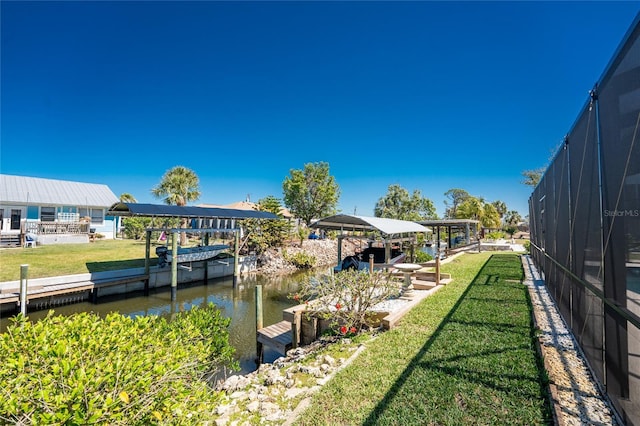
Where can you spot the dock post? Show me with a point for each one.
(259, 324)
(147, 256)
(236, 255)
(206, 262)
(174, 266)
(24, 273)
(296, 327)
(438, 269)
(371, 263)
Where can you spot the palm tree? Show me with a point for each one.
(179, 186)
(125, 197)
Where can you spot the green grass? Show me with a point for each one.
(462, 356)
(67, 259)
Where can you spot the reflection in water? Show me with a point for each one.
(236, 302)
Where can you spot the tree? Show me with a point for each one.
(179, 186)
(266, 233)
(532, 177)
(398, 204)
(501, 207)
(346, 299)
(456, 197)
(478, 209)
(471, 208)
(125, 197)
(512, 217)
(490, 217)
(311, 193)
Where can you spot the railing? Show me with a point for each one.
(40, 228)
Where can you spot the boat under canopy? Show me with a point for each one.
(388, 232)
(387, 227)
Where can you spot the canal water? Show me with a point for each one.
(235, 301)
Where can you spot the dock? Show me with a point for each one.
(56, 292)
(277, 336)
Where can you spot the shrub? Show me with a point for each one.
(82, 369)
(495, 235)
(347, 298)
(423, 257)
(301, 260)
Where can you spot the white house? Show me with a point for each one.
(55, 211)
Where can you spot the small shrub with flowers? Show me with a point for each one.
(347, 298)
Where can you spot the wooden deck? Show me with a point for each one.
(277, 336)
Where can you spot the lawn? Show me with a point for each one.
(68, 259)
(465, 355)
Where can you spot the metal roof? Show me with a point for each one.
(448, 222)
(345, 222)
(193, 212)
(40, 191)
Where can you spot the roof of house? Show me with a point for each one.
(40, 191)
(247, 205)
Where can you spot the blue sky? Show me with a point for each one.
(427, 95)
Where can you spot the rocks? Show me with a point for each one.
(324, 251)
(274, 390)
(574, 392)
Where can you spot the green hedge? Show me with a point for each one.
(83, 369)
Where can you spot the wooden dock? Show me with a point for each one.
(11, 295)
(277, 336)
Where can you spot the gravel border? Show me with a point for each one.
(576, 397)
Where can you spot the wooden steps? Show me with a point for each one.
(277, 336)
(10, 240)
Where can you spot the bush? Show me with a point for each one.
(301, 260)
(423, 257)
(82, 369)
(495, 235)
(346, 298)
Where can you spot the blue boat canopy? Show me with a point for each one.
(192, 212)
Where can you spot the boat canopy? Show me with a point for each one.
(388, 227)
(193, 212)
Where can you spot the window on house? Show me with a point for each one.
(15, 218)
(96, 215)
(47, 214)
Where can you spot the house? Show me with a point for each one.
(249, 205)
(55, 211)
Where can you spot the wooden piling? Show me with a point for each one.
(24, 274)
(174, 266)
(236, 255)
(206, 262)
(259, 346)
(147, 256)
(258, 307)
